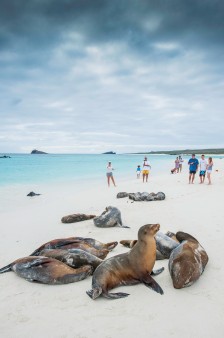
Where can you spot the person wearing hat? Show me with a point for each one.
(145, 170)
(110, 174)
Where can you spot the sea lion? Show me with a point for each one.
(129, 268)
(164, 245)
(73, 243)
(47, 270)
(74, 218)
(31, 194)
(75, 258)
(187, 262)
(109, 218)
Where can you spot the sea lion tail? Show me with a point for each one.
(6, 268)
(183, 236)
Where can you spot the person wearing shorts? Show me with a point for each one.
(145, 170)
(209, 169)
(202, 167)
(193, 167)
(110, 174)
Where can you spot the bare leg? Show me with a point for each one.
(113, 181)
(192, 179)
(209, 178)
(143, 176)
(108, 180)
(146, 177)
(203, 179)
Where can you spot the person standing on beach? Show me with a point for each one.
(193, 167)
(202, 167)
(209, 169)
(110, 174)
(138, 171)
(177, 164)
(180, 163)
(145, 170)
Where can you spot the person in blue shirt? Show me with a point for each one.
(193, 167)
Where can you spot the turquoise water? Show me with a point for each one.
(27, 168)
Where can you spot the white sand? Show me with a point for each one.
(35, 310)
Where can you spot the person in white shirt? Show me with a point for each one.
(202, 167)
(110, 174)
(145, 170)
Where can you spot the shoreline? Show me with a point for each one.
(63, 311)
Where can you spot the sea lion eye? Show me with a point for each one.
(145, 232)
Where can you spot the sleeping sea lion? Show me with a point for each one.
(164, 245)
(47, 270)
(109, 218)
(187, 262)
(72, 243)
(129, 268)
(73, 257)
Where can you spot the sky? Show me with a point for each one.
(90, 76)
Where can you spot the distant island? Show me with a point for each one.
(186, 152)
(5, 156)
(110, 153)
(35, 151)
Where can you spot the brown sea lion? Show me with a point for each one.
(129, 268)
(164, 245)
(47, 270)
(74, 243)
(187, 262)
(75, 258)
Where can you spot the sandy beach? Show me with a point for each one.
(35, 310)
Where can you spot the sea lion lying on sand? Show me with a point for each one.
(75, 258)
(85, 244)
(129, 268)
(187, 262)
(109, 218)
(47, 270)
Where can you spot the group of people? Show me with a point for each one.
(203, 165)
(178, 165)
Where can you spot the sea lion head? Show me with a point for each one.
(148, 230)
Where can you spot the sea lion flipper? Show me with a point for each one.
(157, 272)
(6, 268)
(123, 226)
(115, 295)
(152, 284)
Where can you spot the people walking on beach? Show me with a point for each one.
(180, 163)
(110, 174)
(202, 168)
(177, 164)
(138, 171)
(193, 167)
(209, 169)
(145, 170)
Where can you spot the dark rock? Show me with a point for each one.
(31, 194)
(35, 151)
(76, 218)
(109, 153)
(5, 156)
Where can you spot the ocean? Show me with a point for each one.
(59, 168)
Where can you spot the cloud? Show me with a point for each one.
(85, 76)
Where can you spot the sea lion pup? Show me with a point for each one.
(75, 258)
(164, 245)
(71, 243)
(47, 270)
(109, 218)
(187, 262)
(129, 268)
